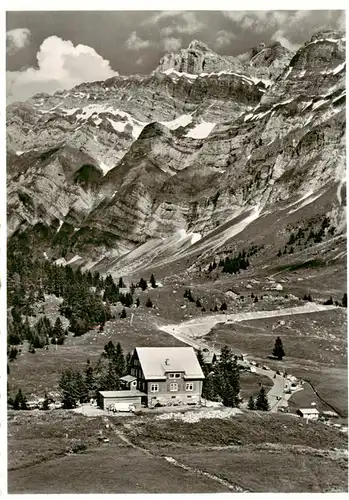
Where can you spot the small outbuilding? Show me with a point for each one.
(309, 413)
(129, 382)
(120, 400)
(330, 414)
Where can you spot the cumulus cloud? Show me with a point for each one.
(279, 36)
(172, 44)
(16, 40)
(134, 42)
(258, 21)
(60, 65)
(224, 38)
(290, 28)
(185, 23)
(164, 14)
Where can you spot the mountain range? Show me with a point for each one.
(205, 154)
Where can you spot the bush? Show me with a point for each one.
(78, 447)
(328, 302)
(13, 354)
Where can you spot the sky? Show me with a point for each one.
(50, 51)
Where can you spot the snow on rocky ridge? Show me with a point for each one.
(231, 145)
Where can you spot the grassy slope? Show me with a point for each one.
(315, 346)
(245, 449)
(242, 450)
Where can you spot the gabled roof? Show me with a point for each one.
(128, 378)
(179, 359)
(121, 394)
(309, 410)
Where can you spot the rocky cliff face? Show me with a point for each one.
(113, 166)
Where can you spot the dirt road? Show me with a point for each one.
(192, 332)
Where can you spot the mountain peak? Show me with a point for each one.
(197, 45)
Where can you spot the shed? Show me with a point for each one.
(330, 414)
(120, 400)
(129, 382)
(309, 413)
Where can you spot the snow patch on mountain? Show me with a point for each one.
(181, 121)
(193, 237)
(339, 190)
(340, 96)
(309, 198)
(177, 73)
(319, 103)
(61, 222)
(118, 126)
(69, 111)
(104, 167)
(201, 130)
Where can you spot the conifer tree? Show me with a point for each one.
(138, 302)
(121, 284)
(89, 376)
(20, 402)
(13, 354)
(45, 403)
(200, 356)
(149, 303)
(128, 360)
(123, 314)
(119, 360)
(208, 389)
(143, 284)
(251, 403)
(152, 281)
(109, 350)
(262, 401)
(345, 300)
(188, 295)
(278, 350)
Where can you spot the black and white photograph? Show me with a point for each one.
(176, 263)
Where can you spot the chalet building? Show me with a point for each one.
(167, 375)
(308, 413)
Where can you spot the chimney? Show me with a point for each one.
(167, 362)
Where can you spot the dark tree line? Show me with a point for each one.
(38, 335)
(233, 264)
(308, 235)
(87, 297)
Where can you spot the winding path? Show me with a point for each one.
(191, 332)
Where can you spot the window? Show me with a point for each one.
(173, 387)
(174, 375)
(189, 386)
(177, 375)
(171, 375)
(154, 387)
